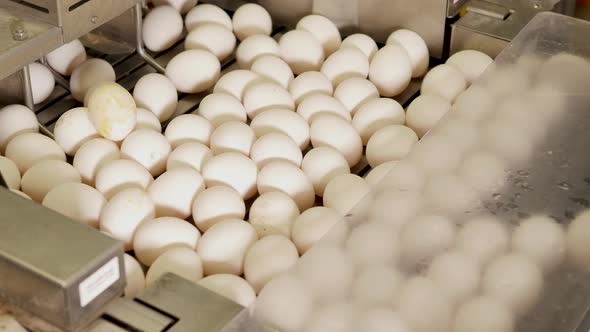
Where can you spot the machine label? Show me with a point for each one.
(99, 281)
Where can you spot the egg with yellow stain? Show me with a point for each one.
(112, 111)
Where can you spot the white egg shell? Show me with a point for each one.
(457, 274)
(29, 149)
(42, 82)
(355, 91)
(273, 68)
(162, 27)
(333, 317)
(317, 224)
(9, 323)
(382, 320)
(10, 173)
(147, 120)
(425, 112)
(507, 80)
(188, 128)
(471, 62)
(211, 37)
(119, 174)
(319, 103)
(565, 72)
(92, 155)
(193, 71)
(483, 171)
(332, 131)
(345, 63)
(182, 6)
(124, 212)
(282, 176)
(112, 111)
(301, 51)
(323, 30)
(425, 237)
(486, 314)
(254, 46)
(207, 13)
(233, 170)
(391, 70)
(215, 204)
(542, 239)
(149, 148)
(375, 114)
(344, 192)
(416, 47)
(406, 203)
(232, 136)
(423, 306)
(231, 287)
(224, 245)
(191, 154)
(15, 120)
(576, 237)
(475, 103)
(483, 238)
(134, 276)
(67, 57)
(220, 107)
(308, 83)
(507, 140)
(363, 42)
(251, 19)
(462, 131)
(265, 95)
(182, 261)
(449, 194)
(282, 121)
(275, 146)
(376, 175)
(390, 143)
(445, 81)
(174, 191)
(377, 285)
(273, 213)
(88, 74)
(156, 236)
(372, 244)
(435, 155)
(77, 201)
(21, 194)
(156, 93)
(235, 82)
(41, 178)
(321, 165)
(268, 258)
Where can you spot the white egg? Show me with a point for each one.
(302, 51)
(211, 37)
(319, 103)
(344, 191)
(333, 317)
(231, 287)
(9, 323)
(268, 258)
(507, 80)
(332, 131)
(224, 245)
(10, 173)
(457, 274)
(475, 103)
(373, 244)
(406, 204)
(29, 149)
(515, 280)
(521, 111)
(321, 164)
(253, 47)
(508, 141)
(233, 170)
(405, 176)
(450, 195)
(462, 131)
(483, 171)
(391, 70)
(323, 30)
(222, 107)
(92, 155)
(232, 136)
(42, 82)
(207, 13)
(471, 62)
(251, 19)
(124, 212)
(565, 72)
(119, 174)
(376, 175)
(284, 177)
(174, 191)
(273, 213)
(182, 6)
(284, 304)
(67, 57)
(425, 237)
(381, 320)
(275, 146)
(149, 148)
(363, 42)
(345, 63)
(309, 83)
(354, 92)
(285, 122)
(423, 305)
(112, 111)
(266, 95)
(576, 237)
(435, 156)
(425, 112)
(390, 143)
(162, 27)
(191, 154)
(15, 120)
(156, 93)
(188, 128)
(77, 201)
(234, 83)
(88, 74)
(445, 81)
(193, 71)
(485, 314)
(156, 236)
(215, 204)
(377, 285)
(134, 276)
(182, 261)
(313, 225)
(42, 177)
(147, 120)
(542, 239)
(273, 68)
(375, 114)
(483, 238)
(21, 194)
(416, 47)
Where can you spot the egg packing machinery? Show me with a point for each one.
(58, 275)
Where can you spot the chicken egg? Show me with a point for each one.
(321, 164)
(73, 128)
(77, 201)
(332, 131)
(207, 13)
(485, 314)
(375, 114)
(313, 224)
(162, 27)
(193, 71)
(406, 205)
(42, 82)
(234, 170)
(542, 239)
(423, 305)
(134, 276)
(188, 128)
(92, 155)
(9, 323)
(235, 82)
(508, 141)
(156, 93)
(323, 30)
(29, 149)
(67, 57)
(285, 122)
(390, 143)
(435, 156)
(15, 120)
(116, 175)
(231, 287)
(251, 19)
(182, 261)
(483, 171)
(282, 176)
(376, 175)
(345, 63)
(373, 244)
(221, 107)
(457, 274)
(319, 103)
(449, 194)
(333, 317)
(381, 320)
(21, 194)
(445, 81)
(391, 70)
(483, 238)
(211, 37)
(275, 146)
(354, 92)
(425, 112)
(148, 148)
(147, 120)
(471, 63)
(475, 103)
(459, 129)
(302, 51)
(191, 154)
(273, 68)
(425, 237)
(182, 6)
(174, 191)
(10, 173)
(377, 285)
(112, 111)
(344, 191)
(232, 136)
(363, 42)
(309, 83)
(253, 47)
(273, 213)
(416, 47)
(88, 74)
(264, 95)
(42, 177)
(215, 204)
(566, 73)
(507, 80)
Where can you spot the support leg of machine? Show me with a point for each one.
(139, 39)
(28, 94)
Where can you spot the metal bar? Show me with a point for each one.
(58, 78)
(139, 39)
(27, 88)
